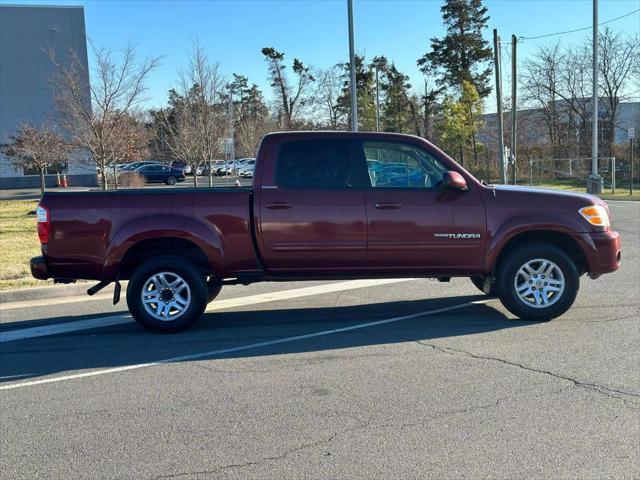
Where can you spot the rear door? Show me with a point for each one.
(311, 215)
(413, 224)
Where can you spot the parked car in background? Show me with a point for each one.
(211, 167)
(129, 167)
(246, 170)
(222, 168)
(234, 167)
(181, 165)
(158, 173)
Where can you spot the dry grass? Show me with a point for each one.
(18, 243)
(578, 186)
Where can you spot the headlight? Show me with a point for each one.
(596, 215)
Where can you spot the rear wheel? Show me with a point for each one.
(479, 283)
(167, 294)
(538, 282)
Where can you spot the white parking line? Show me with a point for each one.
(46, 330)
(223, 351)
(46, 302)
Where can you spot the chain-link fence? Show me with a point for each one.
(573, 172)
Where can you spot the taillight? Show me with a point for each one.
(44, 221)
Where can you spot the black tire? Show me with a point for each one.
(508, 270)
(173, 266)
(213, 289)
(171, 180)
(479, 284)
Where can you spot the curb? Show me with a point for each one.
(56, 291)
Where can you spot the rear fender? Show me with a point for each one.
(205, 237)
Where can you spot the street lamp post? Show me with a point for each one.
(352, 63)
(377, 100)
(378, 63)
(594, 185)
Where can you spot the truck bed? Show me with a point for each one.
(91, 230)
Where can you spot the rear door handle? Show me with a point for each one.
(388, 206)
(278, 206)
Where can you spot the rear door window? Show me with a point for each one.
(314, 164)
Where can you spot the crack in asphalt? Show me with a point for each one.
(262, 460)
(363, 425)
(602, 389)
(298, 364)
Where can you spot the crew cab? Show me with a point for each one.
(327, 205)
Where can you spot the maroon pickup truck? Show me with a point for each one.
(328, 205)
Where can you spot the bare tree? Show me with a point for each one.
(618, 61)
(326, 94)
(542, 84)
(37, 148)
(93, 113)
(196, 119)
(559, 81)
(291, 99)
(131, 144)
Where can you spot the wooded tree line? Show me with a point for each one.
(558, 80)
(445, 105)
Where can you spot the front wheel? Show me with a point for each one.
(537, 282)
(171, 181)
(213, 289)
(167, 294)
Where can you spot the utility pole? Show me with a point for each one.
(230, 140)
(377, 100)
(426, 112)
(498, 73)
(595, 181)
(632, 137)
(514, 108)
(352, 63)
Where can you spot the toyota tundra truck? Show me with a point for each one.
(328, 205)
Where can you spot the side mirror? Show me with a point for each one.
(454, 181)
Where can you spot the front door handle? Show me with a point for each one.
(278, 206)
(388, 206)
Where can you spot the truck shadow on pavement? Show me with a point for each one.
(128, 344)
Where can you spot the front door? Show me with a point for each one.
(414, 224)
(312, 218)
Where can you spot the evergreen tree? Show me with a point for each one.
(251, 115)
(462, 54)
(248, 100)
(291, 99)
(365, 90)
(398, 114)
(458, 123)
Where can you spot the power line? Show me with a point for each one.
(579, 29)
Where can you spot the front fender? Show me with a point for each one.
(533, 221)
(206, 237)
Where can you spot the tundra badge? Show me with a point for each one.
(457, 235)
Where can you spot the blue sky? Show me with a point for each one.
(233, 32)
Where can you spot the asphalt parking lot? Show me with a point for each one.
(361, 379)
